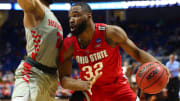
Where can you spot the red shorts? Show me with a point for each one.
(111, 92)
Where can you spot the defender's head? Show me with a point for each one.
(80, 15)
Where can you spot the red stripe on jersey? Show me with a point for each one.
(33, 56)
(37, 49)
(36, 46)
(27, 71)
(27, 66)
(36, 36)
(28, 76)
(22, 72)
(25, 79)
(34, 32)
(37, 41)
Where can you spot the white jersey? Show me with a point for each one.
(43, 40)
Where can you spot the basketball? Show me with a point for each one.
(151, 77)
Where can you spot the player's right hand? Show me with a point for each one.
(92, 81)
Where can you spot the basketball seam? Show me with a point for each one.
(155, 81)
(146, 74)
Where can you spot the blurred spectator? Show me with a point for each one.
(133, 76)
(125, 67)
(1, 65)
(127, 71)
(8, 77)
(173, 85)
(152, 97)
(6, 91)
(112, 19)
(75, 74)
(1, 75)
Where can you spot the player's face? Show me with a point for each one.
(172, 57)
(77, 20)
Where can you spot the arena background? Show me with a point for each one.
(154, 27)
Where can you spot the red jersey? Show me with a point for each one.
(97, 57)
(101, 57)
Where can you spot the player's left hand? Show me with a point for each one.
(167, 70)
(93, 79)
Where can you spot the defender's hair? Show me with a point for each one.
(85, 7)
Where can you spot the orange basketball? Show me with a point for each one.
(151, 77)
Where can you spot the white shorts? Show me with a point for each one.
(32, 84)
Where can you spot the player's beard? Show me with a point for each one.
(80, 28)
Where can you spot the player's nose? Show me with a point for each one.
(71, 20)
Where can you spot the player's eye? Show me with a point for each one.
(76, 15)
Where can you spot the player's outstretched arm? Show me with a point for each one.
(29, 5)
(33, 12)
(119, 36)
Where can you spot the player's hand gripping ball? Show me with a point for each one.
(152, 77)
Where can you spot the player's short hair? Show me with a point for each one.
(85, 7)
(49, 1)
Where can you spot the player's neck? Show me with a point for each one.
(171, 61)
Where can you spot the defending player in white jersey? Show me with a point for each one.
(36, 77)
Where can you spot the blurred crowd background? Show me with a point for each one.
(155, 30)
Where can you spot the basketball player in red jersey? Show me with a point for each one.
(95, 47)
(36, 76)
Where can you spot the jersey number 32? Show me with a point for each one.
(89, 70)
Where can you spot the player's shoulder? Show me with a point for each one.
(113, 28)
(115, 33)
